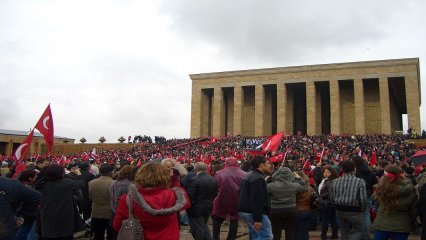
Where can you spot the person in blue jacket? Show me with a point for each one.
(16, 200)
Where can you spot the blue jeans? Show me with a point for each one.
(385, 235)
(184, 219)
(366, 232)
(265, 233)
(26, 232)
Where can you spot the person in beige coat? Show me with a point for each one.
(101, 207)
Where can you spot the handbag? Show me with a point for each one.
(318, 202)
(131, 228)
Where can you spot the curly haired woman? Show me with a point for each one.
(397, 205)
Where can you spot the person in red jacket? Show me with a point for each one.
(155, 205)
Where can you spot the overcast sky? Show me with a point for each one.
(120, 67)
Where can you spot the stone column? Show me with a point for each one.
(281, 107)
(384, 105)
(259, 108)
(196, 103)
(9, 148)
(335, 121)
(311, 108)
(238, 109)
(413, 101)
(359, 106)
(218, 113)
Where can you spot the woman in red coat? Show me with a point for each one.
(155, 204)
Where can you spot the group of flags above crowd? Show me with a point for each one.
(45, 126)
(213, 148)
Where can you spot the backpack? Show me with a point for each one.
(131, 228)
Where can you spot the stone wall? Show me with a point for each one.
(356, 103)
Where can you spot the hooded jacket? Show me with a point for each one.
(156, 210)
(283, 189)
(403, 218)
(228, 185)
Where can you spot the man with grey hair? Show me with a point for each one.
(202, 189)
(177, 171)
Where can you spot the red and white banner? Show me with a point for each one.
(278, 158)
(45, 127)
(24, 147)
(272, 143)
(319, 156)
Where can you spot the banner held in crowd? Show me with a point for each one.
(22, 150)
(45, 127)
(272, 143)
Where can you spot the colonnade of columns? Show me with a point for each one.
(339, 119)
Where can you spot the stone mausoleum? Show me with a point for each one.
(355, 98)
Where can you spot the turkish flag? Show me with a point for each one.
(307, 165)
(277, 158)
(238, 156)
(24, 147)
(319, 156)
(272, 143)
(255, 152)
(45, 126)
(373, 159)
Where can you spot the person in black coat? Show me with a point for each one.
(57, 209)
(202, 189)
(254, 203)
(41, 176)
(85, 204)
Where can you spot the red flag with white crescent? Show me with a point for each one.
(24, 147)
(319, 156)
(277, 158)
(373, 159)
(45, 126)
(272, 143)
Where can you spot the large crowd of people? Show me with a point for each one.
(351, 183)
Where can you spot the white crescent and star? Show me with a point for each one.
(45, 121)
(267, 146)
(19, 150)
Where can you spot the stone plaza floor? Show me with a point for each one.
(185, 233)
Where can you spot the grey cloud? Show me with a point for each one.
(271, 31)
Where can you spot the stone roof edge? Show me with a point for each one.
(305, 68)
(25, 133)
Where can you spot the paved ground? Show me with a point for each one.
(243, 233)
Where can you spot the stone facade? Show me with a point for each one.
(10, 142)
(355, 98)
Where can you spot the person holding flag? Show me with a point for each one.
(282, 190)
